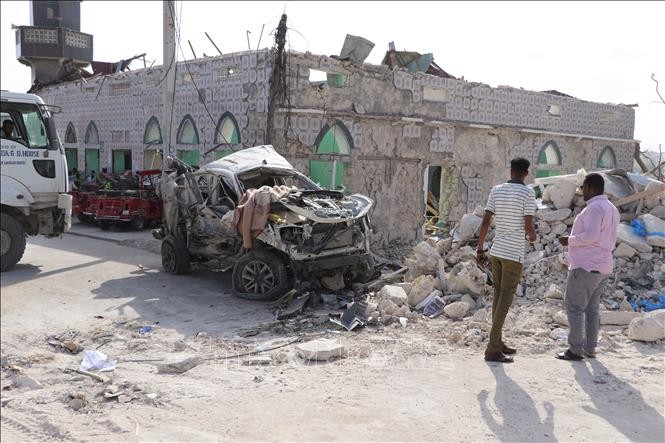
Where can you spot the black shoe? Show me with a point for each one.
(568, 355)
(508, 351)
(498, 356)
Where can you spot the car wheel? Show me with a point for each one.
(260, 275)
(12, 241)
(175, 256)
(138, 223)
(366, 272)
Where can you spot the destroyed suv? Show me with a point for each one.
(310, 232)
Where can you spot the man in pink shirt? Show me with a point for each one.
(590, 247)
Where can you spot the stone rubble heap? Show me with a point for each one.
(446, 268)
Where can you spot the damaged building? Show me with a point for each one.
(414, 138)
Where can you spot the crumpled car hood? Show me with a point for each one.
(322, 208)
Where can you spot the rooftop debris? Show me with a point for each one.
(414, 62)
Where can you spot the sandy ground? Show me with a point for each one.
(397, 384)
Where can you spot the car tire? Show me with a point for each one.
(175, 256)
(260, 275)
(138, 223)
(13, 241)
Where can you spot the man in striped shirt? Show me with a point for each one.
(514, 205)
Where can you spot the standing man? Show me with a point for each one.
(514, 205)
(590, 246)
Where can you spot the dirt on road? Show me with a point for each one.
(395, 383)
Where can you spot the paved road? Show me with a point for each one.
(79, 277)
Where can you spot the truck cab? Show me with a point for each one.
(33, 175)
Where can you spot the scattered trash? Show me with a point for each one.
(403, 321)
(353, 317)
(295, 306)
(145, 330)
(71, 346)
(112, 391)
(259, 360)
(258, 378)
(95, 360)
(434, 307)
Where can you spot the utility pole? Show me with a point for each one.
(170, 65)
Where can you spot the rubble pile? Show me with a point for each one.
(442, 273)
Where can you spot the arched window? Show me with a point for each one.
(153, 133)
(332, 143)
(70, 134)
(91, 134)
(335, 139)
(607, 159)
(227, 130)
(549, 160)
(187, 133)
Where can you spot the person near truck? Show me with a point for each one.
(8, 129)
(590, 246)
(513, 205)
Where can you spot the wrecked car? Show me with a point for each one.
(307, 233)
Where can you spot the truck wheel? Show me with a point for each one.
(12, 241)
(105, 225)
(138, 223)
(260, 275)
(175, 256)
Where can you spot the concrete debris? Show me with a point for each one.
(456, 310)
(624, 250)
(551, 215)
(561, 194)
(321, 350)
(467, 278)
(469, 226)
(655, 228)
(658, 211)
(618, 318)
(179, 367)
(422, 287)
(649, 328)
(258, 360)
(625, 234)
(554, 292)
(23, 381)
(394, 293)
(560, 317)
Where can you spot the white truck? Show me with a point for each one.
(33, 174)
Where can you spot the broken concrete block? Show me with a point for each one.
(624, 250)
(403, 311)
(650, 327)
(466, 298)
(654, 199)
(561, 318)
(617, 318)
(554, 292)
(456, 310)
(405, 285)
(654, 226)
(422, 287)
(388, 307)
(625, 306)
(460, 255)
(658, 211)
(23, 381)
(469, 226)
(561, 194)
(625, 234)
(467, 278)
(178, 367)
(394, 293)
(533, 257)
(550, 215)
(480, 315)
(323, 349)
(558, 228)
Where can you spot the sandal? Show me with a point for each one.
(568, 355)
(499, 357)
(508, 350)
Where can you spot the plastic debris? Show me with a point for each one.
(97, 361)
(145, 330)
